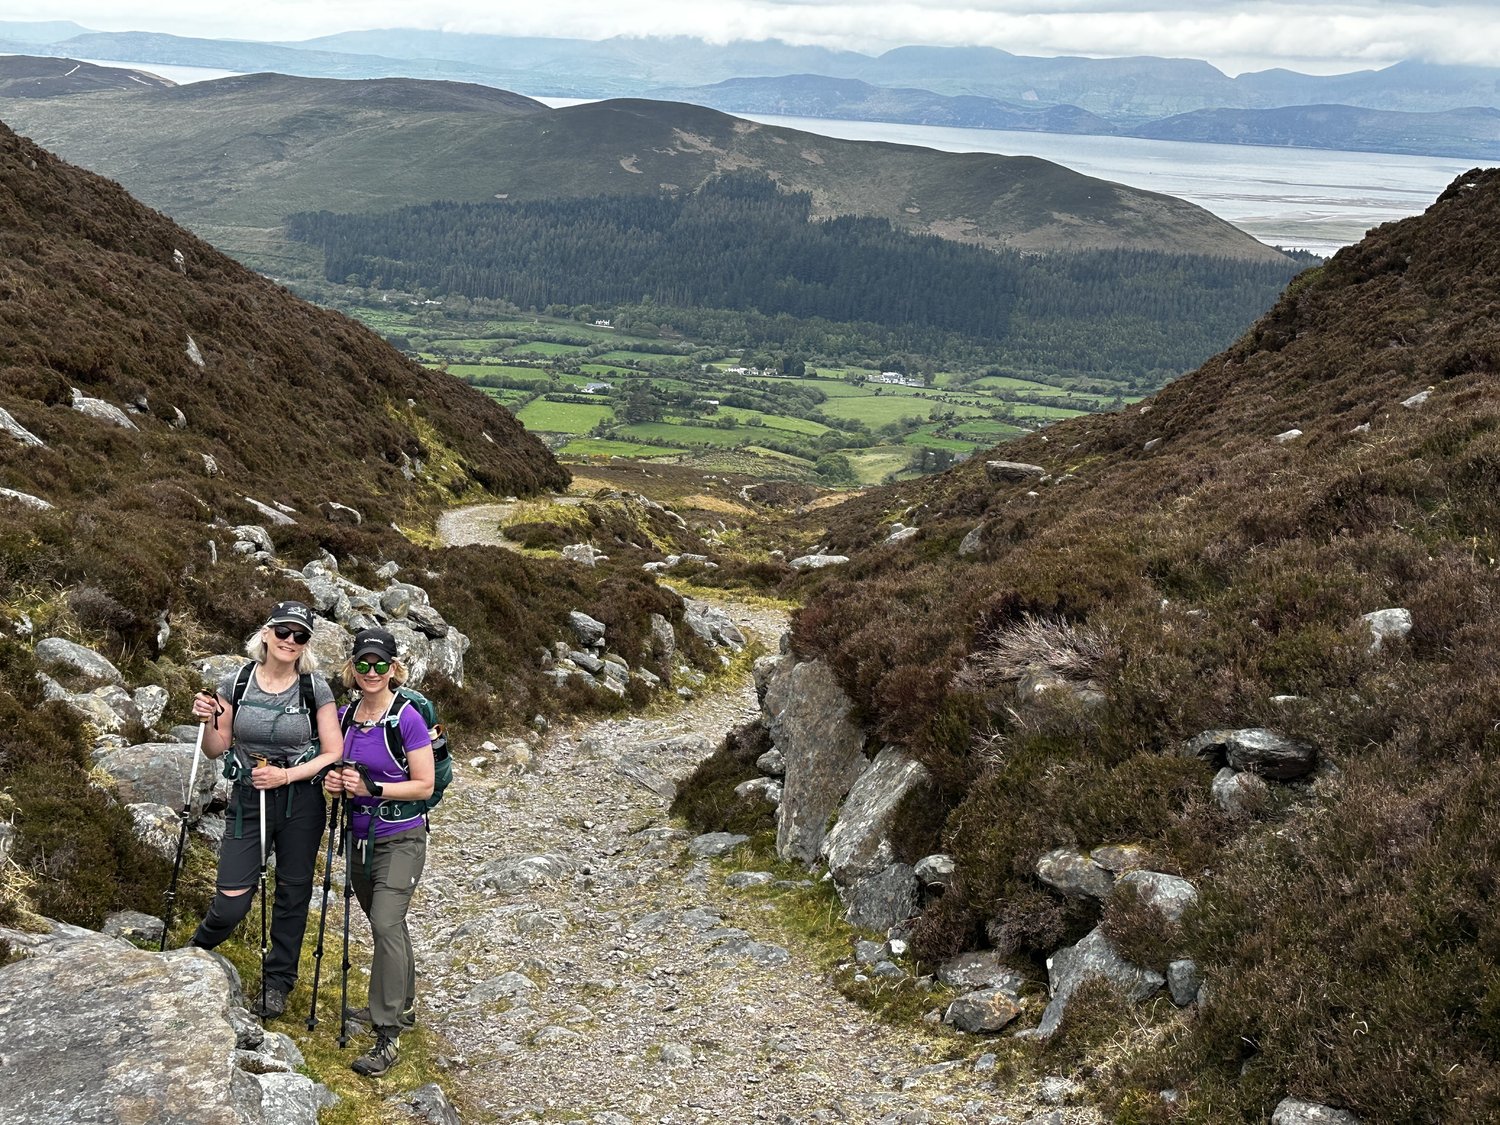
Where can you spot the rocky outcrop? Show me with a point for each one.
(808, 717)
(151, 1037)
(1258, 750)
(1093, 958)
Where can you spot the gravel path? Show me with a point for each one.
(580, 965)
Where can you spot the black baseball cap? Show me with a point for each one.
(374, 642)
(291, 613)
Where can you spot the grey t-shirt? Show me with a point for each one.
(275, 726)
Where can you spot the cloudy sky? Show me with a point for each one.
(1315, 36)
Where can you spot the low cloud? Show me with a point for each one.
(1318, 35)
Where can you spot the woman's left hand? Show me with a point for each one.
(354, 784)
(270, 777)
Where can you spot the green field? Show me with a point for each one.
(606, 370)
(775, 421)
(925, 437)
(602, 447)
(506, 371)
(674, 433)
(506, 396)
(872, 466)
(562, 417)
(545, 348)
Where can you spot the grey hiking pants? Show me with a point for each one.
(384, 891)
(293, 837)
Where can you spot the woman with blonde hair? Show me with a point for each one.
(277, 716)
(387, 841)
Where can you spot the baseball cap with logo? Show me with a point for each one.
(292, 613)
(374, 642)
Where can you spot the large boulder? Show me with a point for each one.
(1169, 895)
(1074, 874)
(60, 652)
(879, 901)
(824, 752)
(92, 1029)
(1091, 959)
(157, 773)
(860, 843)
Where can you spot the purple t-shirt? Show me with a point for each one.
(369, 749)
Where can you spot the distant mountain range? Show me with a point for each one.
(232, 158)
(968, 86)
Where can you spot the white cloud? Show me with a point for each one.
(1311, 35)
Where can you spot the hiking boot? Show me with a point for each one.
(379, 1058)
(271, 1005)
(362, 1015)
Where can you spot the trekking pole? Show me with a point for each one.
(265, 945)
(333, 833)
(187, 806)
(346, 848)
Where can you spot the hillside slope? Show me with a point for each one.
(233, 158)
(163, 408)
(1205, 562)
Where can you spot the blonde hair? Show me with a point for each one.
(398, 673)
(255, 649)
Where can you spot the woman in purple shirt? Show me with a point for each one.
(387, 833)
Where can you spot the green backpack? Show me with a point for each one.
(442, 760)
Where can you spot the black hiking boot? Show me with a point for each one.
(379, 1058)
(271, 1004)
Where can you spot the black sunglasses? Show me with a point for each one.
(364, 667)
(301, 636)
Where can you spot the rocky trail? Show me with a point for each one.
(579, 962)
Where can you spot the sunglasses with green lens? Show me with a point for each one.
(364, 667)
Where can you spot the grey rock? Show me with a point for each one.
(9, 425)
(988, 1009)
(335, 512)
(507, 986)
(971, 543)
(860, 843)
(101, 411)
(663, 645)
(331, 645)
(1092, 958)
(156, 826)
(979, 969)
(1169, 895)
(808, 716)
(55, 651)
(1074, 874)
(588, 630)
(427, 620)
(272, 513)
(1012, 472)
(742, 879)
(254, 533)
(772, 763)
(133, 925)
(1417, 400)
(1151, 445)
(1295, 1111)
(1116, 858)
(1056, 1090)
(1239, 793)
(151, 701)
(428, 1103)
(1287, 435)
(900, 535)
(712, 624)
(586, 661)
(880, 901)
(157, 773)
(584, 554)
(519, 873)
(193, 352)
(1262, 751)
(638, 769)
(766, 788)
(148, 1031)
(26, 500)
(817, 562)
(1183, 981)
(1386, 625)
(715, 844)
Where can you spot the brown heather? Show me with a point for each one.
(296, 405)
(1349, 930)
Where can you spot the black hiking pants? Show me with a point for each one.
(293, 837)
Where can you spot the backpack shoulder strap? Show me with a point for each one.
(242, 683)
(392, 724)
(309, 697)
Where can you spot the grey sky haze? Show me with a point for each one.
(1313, 36)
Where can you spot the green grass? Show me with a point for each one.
(776, 421)
(505, 370)
(872, 466)
(879, 411)
(506, 396)
(607, 370)
(603, 447)
(621, 356)
(563, 417)
(545, 347)
(777, 455)
(925, 437)
(675, 434)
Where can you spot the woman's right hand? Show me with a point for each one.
(205, 706)
(333, 783)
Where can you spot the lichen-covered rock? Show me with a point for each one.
(860, 843)
(1091, 959)
(808, 716)
(880, 901)
(1169, 895)
(1261, 751)
(58, 651)
(1295, 1111)
(157, 772)
(1074, 873)
(989, 1009)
